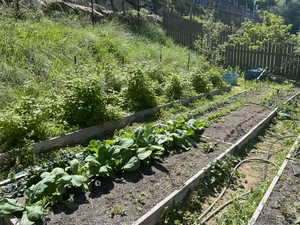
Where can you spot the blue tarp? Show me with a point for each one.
(253, 73)
(231, 78)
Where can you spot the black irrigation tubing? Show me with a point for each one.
(216, 211)
(269, 151)
(229, 182)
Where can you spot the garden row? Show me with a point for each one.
(46, 187)
(231, 192)
(200, 106)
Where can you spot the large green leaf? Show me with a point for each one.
(78, 181)
(143, 153)
(46, 187)
(132, 165)
(74, 167)
(9, 207)
(105, 170)
(25, 220)
(92, 165)
(34, 212)
(126, 142)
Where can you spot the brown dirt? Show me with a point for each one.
(121, 201)
(283, 206)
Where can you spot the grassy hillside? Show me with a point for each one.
(58, 75)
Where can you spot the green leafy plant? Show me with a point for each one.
(139, 93)
(85, 102)
(29, 214)
(174, 88)
(200, 81)
(215, 77)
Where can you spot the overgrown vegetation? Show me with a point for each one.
(257, 35)
(60, 75)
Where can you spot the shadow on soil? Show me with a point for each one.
(104, 186)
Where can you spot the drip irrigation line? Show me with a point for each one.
(215, 212)
(271, 147)
(230, 179)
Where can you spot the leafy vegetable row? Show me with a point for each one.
(125, 153)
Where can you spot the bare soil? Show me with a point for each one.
(283, 206)
(250, 174)
(123, 200)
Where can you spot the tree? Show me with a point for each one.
(209, 44)
(291, 13)
(255, 35)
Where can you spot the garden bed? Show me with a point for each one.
(124, 200)
(283, 205)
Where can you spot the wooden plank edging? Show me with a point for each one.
(84, 135)
(153, 216)
(267, 195)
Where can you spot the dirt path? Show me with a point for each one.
(283, 206)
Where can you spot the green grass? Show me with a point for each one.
(55, 70)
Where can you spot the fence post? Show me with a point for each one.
(189, 60)
(92, 13)
(160, 55)
(278, 58)
(17, 8)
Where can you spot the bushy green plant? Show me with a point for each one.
(215, 77)
(31, 118)
(139, 94)
(174, 88)
(200, 81)
(85, 102)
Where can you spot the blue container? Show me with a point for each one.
(253, 74)
(231, 78)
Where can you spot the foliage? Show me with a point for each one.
(256, 35)
(200, 81)
(215, 77)
(85, 102)
(30, 213)
(28, 119)
(125, 153)
(57, 76)
(291, 14)
(139, 93)
(174, 88)
(210, 44)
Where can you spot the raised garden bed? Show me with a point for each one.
(115, 202)
(281, 203)
(124, 200)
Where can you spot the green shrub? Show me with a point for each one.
(200, 81)
(85, 102)
(113, 78)
(215, 77)
(30, 118)
(139, 94)
(174, 88)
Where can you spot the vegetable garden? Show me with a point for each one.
(59, 77)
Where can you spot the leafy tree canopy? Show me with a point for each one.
(255, 35)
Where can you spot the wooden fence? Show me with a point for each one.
(183, 31)
(279, 59)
